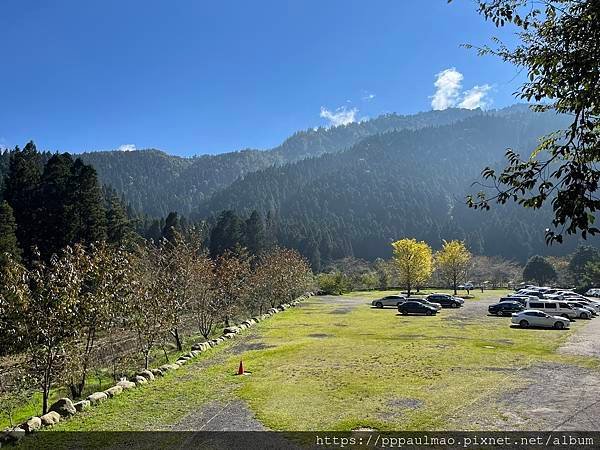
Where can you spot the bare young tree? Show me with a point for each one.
(279, 276)
(51, 325)
(204, 304)
(177, 258)
(105, 286)
(148, 315)
(233, 272)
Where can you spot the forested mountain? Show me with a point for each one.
(348, 190)
(156, 183)
(400, 183)
(315, 142)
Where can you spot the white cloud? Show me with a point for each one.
(368, 96)
(126, 148)
(448, 92)
(476, 97)
(448, 84)
(341, 116)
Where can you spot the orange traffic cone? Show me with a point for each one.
(241, 368)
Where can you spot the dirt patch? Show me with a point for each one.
(405, 403)
(586, 342)
(554, 397)
(248, 346)
(396, 408)
(319, 335)
(344, 310)
(218, 416)
(570, 405)
(501, 369)
(232, 416)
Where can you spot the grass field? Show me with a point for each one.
(335, 363)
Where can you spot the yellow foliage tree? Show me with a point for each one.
(453, 261)
(414, 262)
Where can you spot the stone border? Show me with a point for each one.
(64, 408)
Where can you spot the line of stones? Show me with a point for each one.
(65, 407)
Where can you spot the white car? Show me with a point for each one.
(467, 286)
(594, 292)
(573, 295)
(580, 304)
(389, 300)
(533, 318)
(559, 308)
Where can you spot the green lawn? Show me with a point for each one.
(338, 364)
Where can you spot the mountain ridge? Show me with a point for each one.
(175, 183)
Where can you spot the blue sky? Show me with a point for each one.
(193, 77)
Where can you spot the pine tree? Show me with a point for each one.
(118, 227)
(172, 227)
(8, 238)
(58, 223)
(314, 255)
(254, 234)
(270, 229)
(88, 205)
(21, 192)
(227, 234)
(154, 232)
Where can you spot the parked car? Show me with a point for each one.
(559, 309)
(389, 300)
(516, 298)
(534, 318)
(425, 301)
(505, 308)
(531, 292)
(467, 286)
(594, 292)
(445, 300)
(414, 307)
(574, 295)
(577, 304)
(591, 303)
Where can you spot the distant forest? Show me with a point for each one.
(331, 193)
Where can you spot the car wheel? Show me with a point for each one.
(454, 305)
(583, 316)
(523, 324)
(559, 325)
(428, 313)
(379, 305)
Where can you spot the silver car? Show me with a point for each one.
(533, 318)
(389, 300)
(577, 304)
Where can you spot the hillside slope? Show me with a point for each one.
(400, 183)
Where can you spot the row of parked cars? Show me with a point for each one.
(545, 307)
(428, 305)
